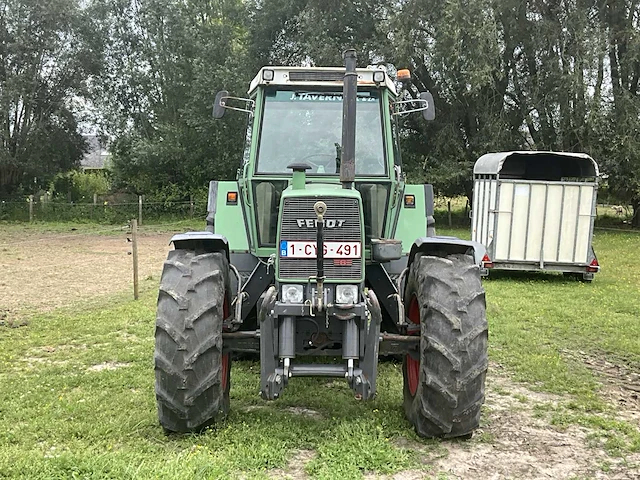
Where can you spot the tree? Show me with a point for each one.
(533, 74)
(619, 136)
(168, 60)
(316, 32)
(505, 75)
(454, 51)
(48, 51)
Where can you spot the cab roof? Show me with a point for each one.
(318, 77)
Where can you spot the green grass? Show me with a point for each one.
(543, 326)
(63, 417)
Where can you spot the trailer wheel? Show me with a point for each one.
(444, 380)
(192, 373)
(579, 277)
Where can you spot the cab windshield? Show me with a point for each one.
(303, 126)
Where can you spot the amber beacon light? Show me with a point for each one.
(404, 75)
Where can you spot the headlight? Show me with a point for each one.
(292, 293)
(347, 294)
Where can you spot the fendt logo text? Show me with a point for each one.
(311, 223)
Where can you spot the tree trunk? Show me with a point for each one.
(635, 219)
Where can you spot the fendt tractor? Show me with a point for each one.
(320, 249)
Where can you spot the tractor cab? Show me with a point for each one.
(296, 117)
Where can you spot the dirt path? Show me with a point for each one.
(512, 443)
(53, 270)
(515, 443)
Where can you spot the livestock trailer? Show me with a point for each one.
(535, 211)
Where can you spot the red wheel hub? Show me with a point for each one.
(412, 365)
(226, 360)
(226, 363)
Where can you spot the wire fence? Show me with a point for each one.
(106, 265)
(104, 212)
(454, 212)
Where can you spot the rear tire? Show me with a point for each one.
(444, 381)
(192, 374)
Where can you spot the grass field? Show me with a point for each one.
(77, 400)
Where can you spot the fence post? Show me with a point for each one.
(30, 208)
(140, 210)
(134, 250)
(449, 210)
(191, 208)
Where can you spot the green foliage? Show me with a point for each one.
(454, 51)
(171, 58)
(505, 75)
(49, 51)
(316, 32)
(79, 186)
(620, 152)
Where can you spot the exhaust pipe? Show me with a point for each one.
(349, 94)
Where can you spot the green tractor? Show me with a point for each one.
(320, 249)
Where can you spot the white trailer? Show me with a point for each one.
(535, 211)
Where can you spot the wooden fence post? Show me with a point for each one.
(140, 210)
(134, 250)
(191, 207)
(30, 208)
(449, 210)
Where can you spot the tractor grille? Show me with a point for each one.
(338, 208)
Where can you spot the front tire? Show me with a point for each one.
(444, 381)
(192, 374)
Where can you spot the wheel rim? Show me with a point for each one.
(413, 366)
(225, 356)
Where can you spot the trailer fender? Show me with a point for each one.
(446, 246)
(210, 242)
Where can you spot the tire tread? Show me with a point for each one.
(188, 347)
(454, 357)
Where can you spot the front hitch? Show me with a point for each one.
(320, 208)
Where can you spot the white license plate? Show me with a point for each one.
(309, 250)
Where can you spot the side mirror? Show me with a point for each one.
(218, 105)
(429, 113)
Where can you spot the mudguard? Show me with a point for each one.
(448, 245)
(211, 242)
